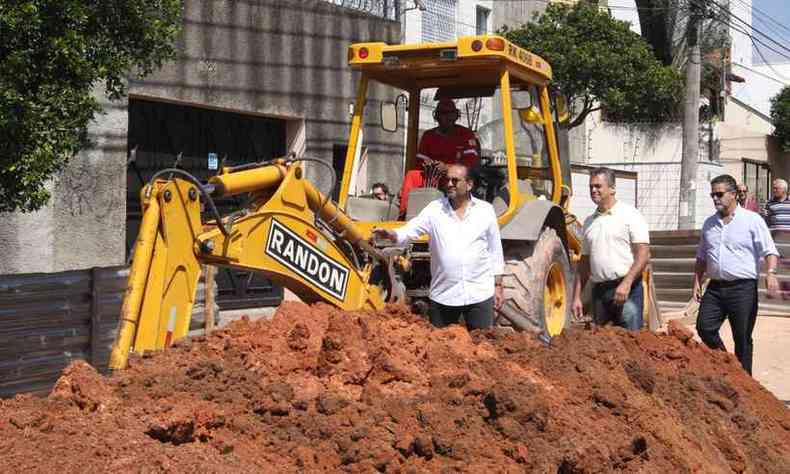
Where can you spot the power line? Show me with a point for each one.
(756, 19)
(619, 7)
(731, 15)
(527, 20)
(760, 53)
(740, 30)
(760, 73)
(721, 9)
(765, 61)
(766, 15)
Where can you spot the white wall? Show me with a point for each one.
(463, 24)
(743, 134)
(581, 205)
(625, 10)
(654, 152)
(657, 191)
(763, 81)
(467, 15)
(741, 49)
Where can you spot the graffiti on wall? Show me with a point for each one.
(90, 188)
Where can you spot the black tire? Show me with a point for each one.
(527, 273)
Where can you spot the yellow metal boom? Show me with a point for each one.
(277, 234)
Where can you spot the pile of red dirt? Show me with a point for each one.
(318, 389)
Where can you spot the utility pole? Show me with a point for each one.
(688, 168)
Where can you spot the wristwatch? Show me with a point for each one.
(772, 271)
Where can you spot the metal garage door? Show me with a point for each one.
(160, 132)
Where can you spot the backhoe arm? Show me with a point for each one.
(164, 274)
(277, 235)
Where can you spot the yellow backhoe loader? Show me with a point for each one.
(321, 250)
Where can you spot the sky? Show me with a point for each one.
(763, 12)
(771, 17)
(778, 9)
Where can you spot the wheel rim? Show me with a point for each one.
(554, 299)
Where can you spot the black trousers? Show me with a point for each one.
(477, 316)
(736, 301)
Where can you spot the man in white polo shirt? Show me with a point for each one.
(466, 253)
(615, 251)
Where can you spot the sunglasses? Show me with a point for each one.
(719, 194)
(455, 180)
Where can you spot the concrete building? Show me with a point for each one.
(445, 20)
(748, 151)
(252, 80)
(654, 151)
(762, 82)
(737, 142)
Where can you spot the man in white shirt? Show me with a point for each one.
(615, 251)
(466, 253)
(732, 244)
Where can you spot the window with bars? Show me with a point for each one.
(481, 20)
(757, 176)
(438, 21)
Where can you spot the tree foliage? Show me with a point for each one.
(52, 54)
(780, 116)
(599, 62)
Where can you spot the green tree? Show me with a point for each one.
(52, 55)
(599, 62)
(780, 116)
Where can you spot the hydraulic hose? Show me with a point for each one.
(206, 195)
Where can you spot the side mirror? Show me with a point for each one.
(530, 115)
(563, 116)
(389, 116)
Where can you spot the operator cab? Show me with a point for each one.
(502, 94)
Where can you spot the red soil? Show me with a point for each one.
(317, 389)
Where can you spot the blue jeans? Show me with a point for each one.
(606, 311)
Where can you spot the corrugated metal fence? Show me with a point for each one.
(48, 320)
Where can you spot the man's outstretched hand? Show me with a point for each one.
(385, 234)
